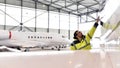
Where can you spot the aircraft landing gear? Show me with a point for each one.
(26, 50)
(58, 49)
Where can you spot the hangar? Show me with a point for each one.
(41, 15)
(60, 17)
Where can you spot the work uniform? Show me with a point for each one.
(110, 26)
(84, 43)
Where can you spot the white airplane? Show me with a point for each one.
(112, 20)
(15, 39)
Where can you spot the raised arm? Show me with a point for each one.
(91, 32)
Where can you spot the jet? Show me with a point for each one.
(27, 40)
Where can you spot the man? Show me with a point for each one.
(82, 42)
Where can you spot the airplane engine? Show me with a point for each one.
(5, 35)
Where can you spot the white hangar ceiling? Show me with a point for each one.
(76, 7)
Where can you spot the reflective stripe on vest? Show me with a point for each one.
(75, 47)
(89, 36)
(84, 45)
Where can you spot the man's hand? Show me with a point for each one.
(98, 19)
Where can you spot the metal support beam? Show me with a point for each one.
(74, 3)
(78, 22)
(69, 27)
(48, 18)
(87, 15)
(35, 16)
(77, 7)
(80, 19)
(59, 22)
(21, 24)
(89, 12)
(51, 1)
(5, 16)
(65, 3)
(53, 5)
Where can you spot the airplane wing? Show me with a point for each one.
(112, 23)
